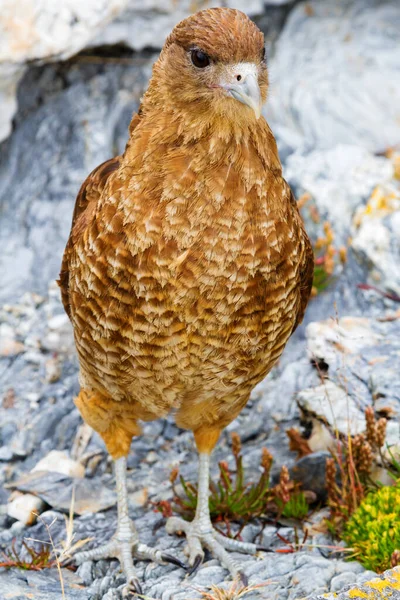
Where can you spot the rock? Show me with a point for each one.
(360, 356)
(339, 180)
(9, 79)
(58, 321)
(59, 462)
(377, 588)
(349, 335)
(339, 581)
(334, 67)
(148, 25)
(377, 235)
(9, 346)
(30, 32)
(6, 453)
(25, 508)
(310, 472)
(65, 123)
(43, 585)
(139, 498)
(57, 489)
(53, 369)
(333, 405)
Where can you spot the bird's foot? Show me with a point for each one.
(124, 548)
(200, 534)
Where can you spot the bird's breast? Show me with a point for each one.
(187, 283)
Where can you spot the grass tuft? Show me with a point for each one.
(232, 497)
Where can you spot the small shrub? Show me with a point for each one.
(373, 531)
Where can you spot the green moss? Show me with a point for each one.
(373, 531)
(296, 507)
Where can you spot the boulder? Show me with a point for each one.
(335, 77)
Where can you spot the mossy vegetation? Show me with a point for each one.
(373, 531)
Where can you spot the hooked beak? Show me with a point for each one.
(246, 91)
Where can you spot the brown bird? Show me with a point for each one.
(188, 267)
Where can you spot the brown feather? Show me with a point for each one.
(188, 266)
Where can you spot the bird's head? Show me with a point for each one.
(213, 64)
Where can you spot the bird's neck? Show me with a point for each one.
(178, 146)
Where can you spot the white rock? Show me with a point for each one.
(59, 462)
(58, 321)
(9, 79)
(377, 238)
(339, 179)
(347, 335)
(139, 498)
(25, 508)
(147, 25)
(331, 404)
(44, 30)
(10, 347)
(53, 369)
(335, 77)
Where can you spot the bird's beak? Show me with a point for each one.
(246, 91)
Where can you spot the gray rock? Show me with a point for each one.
(340, 180)
(339, 581)
(354, 351)
(41, 586)
(56, 489)
(66, 128)
(376, 588)
(335, 66)
(310, 472)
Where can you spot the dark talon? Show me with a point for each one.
(173, 560)
(244, 579)
(134, 588)
(197, 562)
(263, 549)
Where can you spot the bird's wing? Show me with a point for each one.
(306, 267)
(85, 204)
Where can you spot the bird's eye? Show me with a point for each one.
(199, 59)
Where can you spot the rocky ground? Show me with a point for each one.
(334, 106)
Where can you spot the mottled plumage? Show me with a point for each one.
(188, 266)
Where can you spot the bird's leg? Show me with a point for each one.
(201, 534)
(125, 543)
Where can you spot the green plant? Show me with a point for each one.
(230, 496)
(39, 559)
(296, 508)
(234, 498)
(373, 531)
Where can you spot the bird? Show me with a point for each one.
(187, 267)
